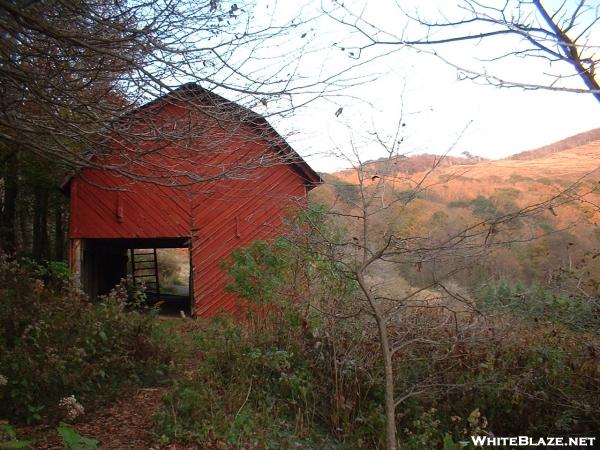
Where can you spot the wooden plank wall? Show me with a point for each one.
(121, 209)
(219, 215)
(228, 220)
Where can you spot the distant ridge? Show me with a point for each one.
(565, 144)
(588, 141)
(413, 164)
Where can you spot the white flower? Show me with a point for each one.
(38, 286)
(3, 380)
(72, 408)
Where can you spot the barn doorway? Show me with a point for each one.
(164, 274)
(161, 267)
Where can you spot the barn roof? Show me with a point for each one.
(193, 91)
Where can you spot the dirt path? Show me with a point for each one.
(126, 424)
(123, 425)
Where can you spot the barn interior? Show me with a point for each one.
(161, 267)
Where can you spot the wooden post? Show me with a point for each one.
(132, 258)
(76, 259)
(156, 273)
(191, 278)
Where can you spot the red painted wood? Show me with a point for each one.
(260, 208)
(219, 215)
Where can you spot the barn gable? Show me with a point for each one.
(211, 177)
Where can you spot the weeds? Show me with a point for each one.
(55, 344)
(576, 311)
(287, 376)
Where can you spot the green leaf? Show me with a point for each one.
(73, 440)
(449, 443)
(14, 444)
(474, 416)
(8, 432)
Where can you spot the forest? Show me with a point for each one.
(418, 300)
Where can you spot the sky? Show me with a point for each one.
(440, 113)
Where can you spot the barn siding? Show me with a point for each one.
(126, 210)
(227, 222)
(220, 216)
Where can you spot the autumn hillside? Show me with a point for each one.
(535, 173)
(571, 157)
(577, 140)
(426, 194)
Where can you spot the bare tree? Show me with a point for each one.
(561, 36)
(72, 71)
(78, 80)
(405, 274)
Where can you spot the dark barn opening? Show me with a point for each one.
(161, 267)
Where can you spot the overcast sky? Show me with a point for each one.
(440, 112)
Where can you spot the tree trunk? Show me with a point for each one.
(386, 353)
(9, 205)
(24, 218)
(40, 223)
(390, 404)
(59, 233)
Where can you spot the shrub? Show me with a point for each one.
(439, 219)
(546, 227)
(348, 192)
(505, 194)
(408, 195)
(322, 388)
(526, 379)
(173, 269)
(248, 389)
(576, 311)
(545, 180)
(258, 271)
(308, 378)
(516, 178)
(54, 343)
(283, 363)
(483, 207)
(459, 204)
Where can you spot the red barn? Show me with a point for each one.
(188, 170)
